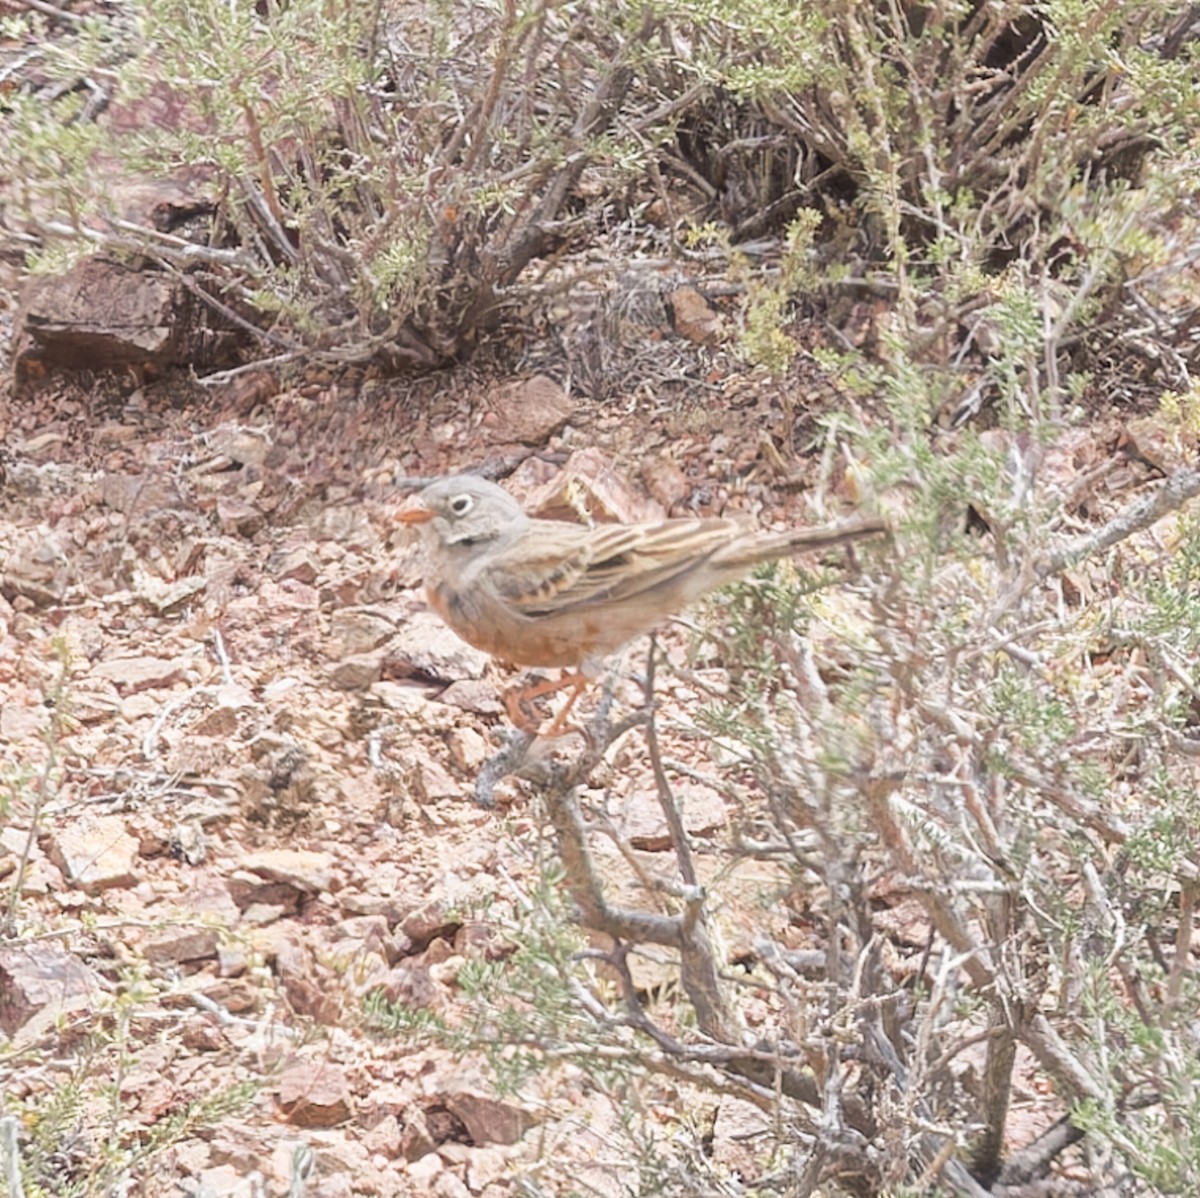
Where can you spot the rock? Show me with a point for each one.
(314, 1094)
(590, 484)
(239, 444)
(666, 482)
(448, 1185)
(235, 515)
(423, 1171)
(36, 446)
(340, 1185)
(692, 316)
(89, 707)
(186, 1158)
(133, 674)
(488, 1120)
(530, 410)
(282, 877)
(437, 917)
(301, 565)
(406, 697)
(41, 876)
(424, 646)
(904, 921)
(369, 902)
(372, 930)
(261, 914)
(142, 706)
(468, 750)
(18, 722)
(163, 595)
(101, 315)
(219, 724)
(200, 1034)
(357, 630)
(232, 962)
(479, 939)
(440, 949)
(95, 852)
(645, 827)
(485, 1164)
(132, 494)
(179, 944)
(346, 524)
(356, 673)
(1159, 441)
(739, 1126)
(207, 894)
(411, 985)
(302, 868)
(41, 979)
(37, 567)
(416, 1141)
(262, 900)
(427, 779)
(225, 1181)
(445, 973)
(232, 994)
(359, 968)
(472, 694)
(308, 987)
(384, 1137)
(146, 1092)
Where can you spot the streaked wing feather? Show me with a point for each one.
(611, 562)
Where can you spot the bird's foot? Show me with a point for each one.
(518, 704)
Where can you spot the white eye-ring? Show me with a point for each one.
(460, 505)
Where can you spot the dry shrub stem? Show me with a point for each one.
(10, 1153)
(839, 1123)
(1168, 497)
(41, 798)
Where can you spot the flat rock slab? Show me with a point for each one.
(358, 630)
(100, 315)
(95, 852)
(645, 827)
(103, 315)
(530, 410)
(41, 978)
(314, 1094)
(177, 944)
(591, 483)
(488, 1120)
(424, 646)
(303, 869)
(133, 674)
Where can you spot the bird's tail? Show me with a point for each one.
(765, 547)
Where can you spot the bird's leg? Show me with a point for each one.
(515, 701)
(580, 683)
(517, 715)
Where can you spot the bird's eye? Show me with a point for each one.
(460, 505)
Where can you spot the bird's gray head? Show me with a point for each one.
(463, 510)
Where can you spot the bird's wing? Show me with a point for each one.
(558, 566)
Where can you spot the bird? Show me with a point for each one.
(551, 593)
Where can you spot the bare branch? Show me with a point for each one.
(1173, 493)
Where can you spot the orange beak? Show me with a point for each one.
(413, 513)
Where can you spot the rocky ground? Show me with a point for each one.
(239, 765)
(251, 904)
(241, 759)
